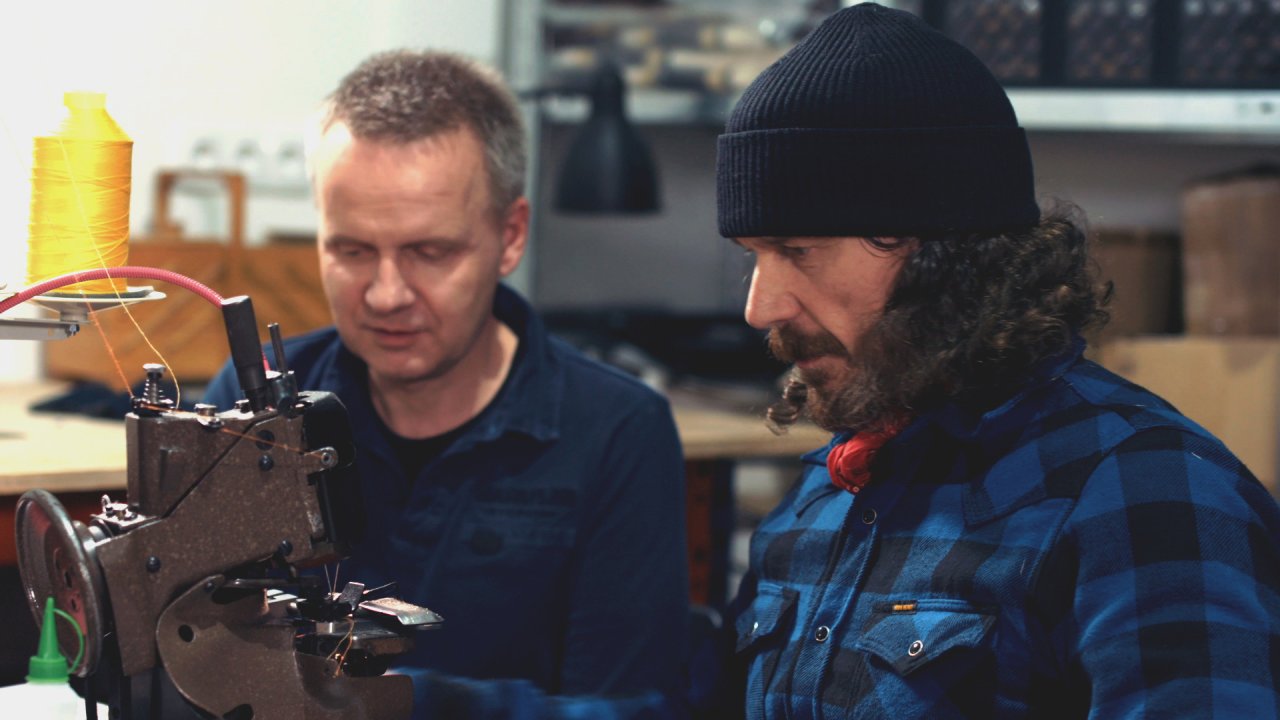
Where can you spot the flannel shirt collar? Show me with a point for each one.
(955, 443)
(963, 423)
(1010, 417)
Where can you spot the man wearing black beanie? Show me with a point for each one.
(999, 527)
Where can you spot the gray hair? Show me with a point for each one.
(403, 96)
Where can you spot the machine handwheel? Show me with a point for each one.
(57, 557)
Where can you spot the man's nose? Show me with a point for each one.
(388, 291)
(769, 302)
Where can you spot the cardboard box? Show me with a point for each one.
(1144, 266)
(1230, 386)
(1231, 255)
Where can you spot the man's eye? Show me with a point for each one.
(793, 251)
(431, 253)
(351, 252)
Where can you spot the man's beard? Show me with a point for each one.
(852, 397)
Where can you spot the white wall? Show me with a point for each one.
(177, 73)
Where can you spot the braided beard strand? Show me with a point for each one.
(867, 400)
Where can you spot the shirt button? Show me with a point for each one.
(822, 634)
(868, 516)
(916, 648)
(755, 626)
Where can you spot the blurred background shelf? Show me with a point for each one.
(1241, 114)
(1244, 115)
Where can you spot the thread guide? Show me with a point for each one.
(72, 310)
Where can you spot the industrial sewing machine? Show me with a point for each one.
(198, 574)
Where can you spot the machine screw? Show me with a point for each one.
(153, 564)
(206, 410)
(265, 463)
(151, 388)
(286, 548)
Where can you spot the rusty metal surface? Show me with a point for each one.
(191, 570)
(165, 457)
(225, 655)
(244, 509)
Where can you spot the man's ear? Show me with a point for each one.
(515, 233)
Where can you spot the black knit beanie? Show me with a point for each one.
(874, 125)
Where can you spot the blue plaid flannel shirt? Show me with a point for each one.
(1081, 551)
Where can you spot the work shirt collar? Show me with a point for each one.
(994, 430)
(529, 402)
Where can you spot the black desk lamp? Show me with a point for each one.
(608, 168)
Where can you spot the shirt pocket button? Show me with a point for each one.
(915, 649)
(822, 633)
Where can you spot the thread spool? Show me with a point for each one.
(80, 184)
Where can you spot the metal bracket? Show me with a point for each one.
(72, 312)
(24, 329)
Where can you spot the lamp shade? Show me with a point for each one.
(609, 168)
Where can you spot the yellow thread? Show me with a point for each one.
(111, 352)
(234, 433)
(255, 438)
(80, 185)
(349, 640)
(904, 607)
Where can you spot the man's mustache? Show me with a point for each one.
(790, 346)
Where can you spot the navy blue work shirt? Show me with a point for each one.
(549, 534)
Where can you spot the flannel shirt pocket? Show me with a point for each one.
(767, 615)
(910, 634)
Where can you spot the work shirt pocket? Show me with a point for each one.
(909, 635)
(767, 618)
(763, 629)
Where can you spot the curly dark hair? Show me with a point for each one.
(967, 319)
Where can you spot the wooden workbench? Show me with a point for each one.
(75, 457)
(57, 452)
(70, 453)
(78, 459)
(714, 434)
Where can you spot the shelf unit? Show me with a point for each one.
(1242, 115)
(1167, 136)
(1208, 115)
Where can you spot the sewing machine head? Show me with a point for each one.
(198, 571)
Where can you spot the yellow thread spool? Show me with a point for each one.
(80, 183)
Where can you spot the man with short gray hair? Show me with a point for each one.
(532, 497)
